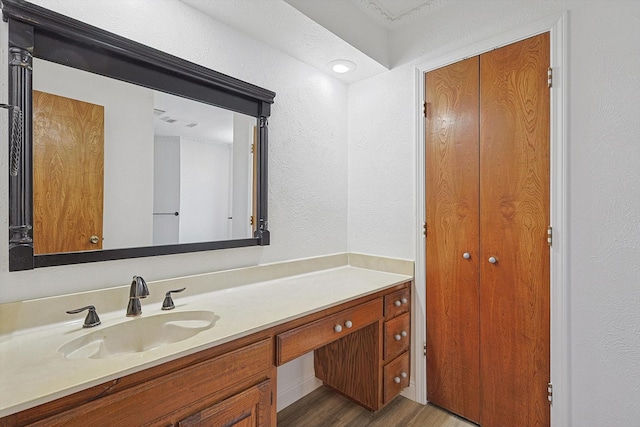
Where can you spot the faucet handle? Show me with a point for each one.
(139, 288)
(92, 318)
(168, 304)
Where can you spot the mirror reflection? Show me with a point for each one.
(118, 165)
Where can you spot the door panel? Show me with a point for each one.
(514, 212)
(68, 164)
(452, 229)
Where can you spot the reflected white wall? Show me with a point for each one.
(204, 190)
(166, 190)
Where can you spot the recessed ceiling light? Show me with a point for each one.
(342, 66)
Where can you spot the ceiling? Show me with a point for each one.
(393, 14)
(325, 30)
(181, 117)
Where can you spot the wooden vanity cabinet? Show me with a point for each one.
(235, 386)
(359, 347)
(397, 343)
(371, 365)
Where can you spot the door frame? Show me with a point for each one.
(559, 280)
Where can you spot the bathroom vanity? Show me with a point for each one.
(355, 320)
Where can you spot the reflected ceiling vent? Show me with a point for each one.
(166, 117)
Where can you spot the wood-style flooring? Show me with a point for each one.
(324, 408)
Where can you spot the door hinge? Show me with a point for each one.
(251, 220)
(424, 109)
(253, 148)
(549, 235)
(424, 229)
(550, 77)
(424, 350)
(550, 392)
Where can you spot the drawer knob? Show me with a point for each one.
(397, 337)
(403, 374)
(397, 303)
(337, 328)
(348, 324)
(403, 333)
(396, 380)
(404, 300)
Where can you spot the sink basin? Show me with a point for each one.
(139, 334)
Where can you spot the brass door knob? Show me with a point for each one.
(94, 239)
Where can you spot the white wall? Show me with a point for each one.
(604, 178)
(128, 138)
(204, 190)
(307, 150)
(166, 190)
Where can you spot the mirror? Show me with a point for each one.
(160, 169)
(127, 151)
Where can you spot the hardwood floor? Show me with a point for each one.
(324, 408)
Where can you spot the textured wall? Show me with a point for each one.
(307, 157)
(382, 165)
(604, 137)
(604, 178)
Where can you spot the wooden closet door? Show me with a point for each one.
(452, 230)
(514, 212)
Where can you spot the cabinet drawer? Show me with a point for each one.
(397, 303)
(301, 340)
(396, 377)
(397, 336)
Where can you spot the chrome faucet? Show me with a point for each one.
(138, 290)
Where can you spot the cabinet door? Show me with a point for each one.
(514, 215)
(452, 238)
(249, 408)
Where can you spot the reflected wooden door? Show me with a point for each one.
(453, 380)
(68, 164)
(514, 212)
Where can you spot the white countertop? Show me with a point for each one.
(32, 371)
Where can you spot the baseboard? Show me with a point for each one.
(410, 392)
(297, 391)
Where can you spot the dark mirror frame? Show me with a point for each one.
(38, 32)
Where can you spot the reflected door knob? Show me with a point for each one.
(493, 260)
(396, 380)
(94, 239)
(466, 255)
